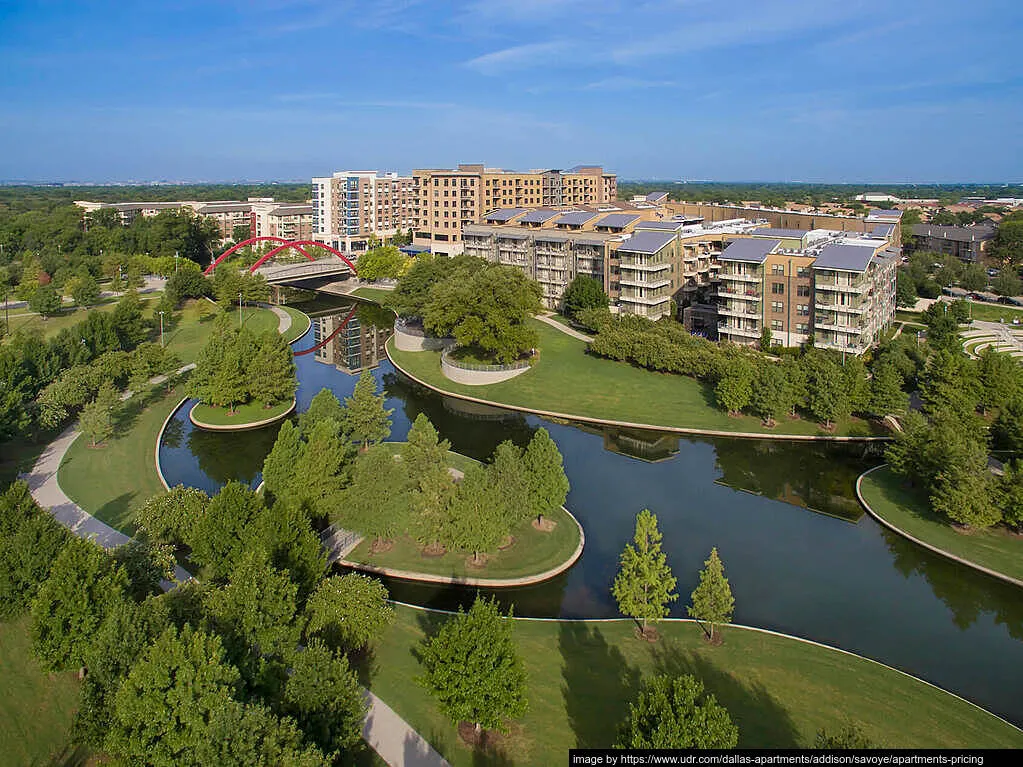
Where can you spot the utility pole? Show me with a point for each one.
(161, 330)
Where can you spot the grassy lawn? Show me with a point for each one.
(371, 294)
(187, 338)
(36, 708)
(994, 312)
(300, 323)
(22, 319)
(112, 481)
(249, 413)
(778, 691)
(908, 510)
(567, 380)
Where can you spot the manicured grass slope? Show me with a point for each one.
(251, 412)
(22, 319)
(567, 380)
(111, 482)
(36, 708)
(908, 510)
(300, 323)
(371, 294)
(779, 691)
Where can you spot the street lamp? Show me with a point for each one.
(239, 308)
(175, 261)
(161, 330)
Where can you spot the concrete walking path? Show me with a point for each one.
(283, 318)
(387, 733)
(563, 328)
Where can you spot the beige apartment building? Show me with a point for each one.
(351, 208)
(447, 200)
(228, 215)
(351, 348)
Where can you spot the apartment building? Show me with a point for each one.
(837, 287)
(129, 211)
(964, 242)
(447, 200)
(292, 221)
(350, 208)
(351, 348)
(228, 215)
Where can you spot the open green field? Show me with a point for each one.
(22, 319)
(112, 481)
(567, 380)
(243, 415)
(909, 510)
(300, 323)
(190, 334)
(371, 294)
(36, 708)
(779, 691)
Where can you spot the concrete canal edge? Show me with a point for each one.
(248, 426)
(917, 541)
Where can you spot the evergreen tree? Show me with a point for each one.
(583, 293)
(545, 474)
(85, 290)
(368, 420)
(218, 538)
(229, 385)
(476, 523)
(271, 370)
(348, 611)
(886, 394)
(712, 600)
(674, 713)
(319, 471)
(97, 417)
(128, 322)
(430, 482)
(45, 301)
(283, 533)
(210, 359)
(472, 668)
(644, 585)
(376, 503)
(279, 464)
(511, 484)
(324, 407)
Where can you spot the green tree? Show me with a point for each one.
(271, 370)
(475, 520)
(83, 587)
(319, 472)
(170, 516)
(770, 398)
(218, 538)
(376, 503)
(1007, 430)
(848, 737)
(886, 394)
(735, 389)
(85, 290)
(430, 483)
(97, 418)
(128, 321)
(322, 693)
(251, 735)
(45, 301)
(348, 611)
(163, 709)
(583, 293)
(905, 290)
(1007, 245)
(644, 585)
(974, 277)
(241, 232)
(30, 541)
(368, 420)
(999, 378)
(146, 564)
(546, 481)
(471, 666)
(511, 484)
(385, 262)
(674, 713)
(283, 533)
(279, 464)
(827, 395)
(1007, 284)
(1009, 494)
(229, 385)
(323, 407)
(712, 600)
(765, 339)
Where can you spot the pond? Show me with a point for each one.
(800, 555)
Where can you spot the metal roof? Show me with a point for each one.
(576, 218)
(849, 258)
(538, 216)
(656, 196)
(954, 233)
(755, 250)
(617, 220)
(226, 207)
(663, 226)
(646, 242)
(510, 234)
(504, 214)
(882, 230)
(880, 213)
(788, 234)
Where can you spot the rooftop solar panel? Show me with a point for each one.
(849, 258)
(755, 250)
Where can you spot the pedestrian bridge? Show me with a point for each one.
(299, 274)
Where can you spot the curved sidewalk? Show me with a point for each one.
(549, 320)
(387, 733)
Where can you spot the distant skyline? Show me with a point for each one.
(770, 90)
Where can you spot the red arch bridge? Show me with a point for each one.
(333, 268)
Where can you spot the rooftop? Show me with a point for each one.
(788, 234)
(576, 218)
(504, 214)
(538, 216)
(955, 233)
(662, 226)
(617, 220)
(646, 242)
(844, 256)
(749, 249)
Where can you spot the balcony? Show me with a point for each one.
(745, 295)
(734, 311)
(641, 283)
(644, 300)
(844, 308)
(833, 287)
(742, 276)
(728, 330)
(824, 324)
(643, 266)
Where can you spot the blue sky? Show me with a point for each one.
(788, 90)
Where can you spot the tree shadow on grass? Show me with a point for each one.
(597, 685)
(69, 756)
(763, 722)
(117, 513)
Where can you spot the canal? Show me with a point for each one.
(800, 555)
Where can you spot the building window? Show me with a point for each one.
(802, 271)
(801, 327)
(777, 325)
(803, 310)
(778, 288)
(777, 306)
(803, 290)
(777, 269)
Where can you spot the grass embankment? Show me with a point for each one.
(112, 481)
(371, 294)
(300, 323)
(191, 332)
(534, 551)
(567, 380)
(242, 417)
(779, 691)
(25, 320)
(36, 708)
(909, 510)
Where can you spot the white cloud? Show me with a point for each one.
(517, 57)
(622, 83)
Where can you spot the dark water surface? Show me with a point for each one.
(800, 555)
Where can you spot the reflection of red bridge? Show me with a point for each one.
(292, 272)
(333, 334)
